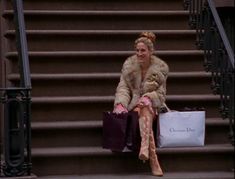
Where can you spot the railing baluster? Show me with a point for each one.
(218, 54)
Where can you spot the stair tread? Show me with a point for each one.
(66, 124)
(101, 32)
(99, 151)
(103, 53)
(77, 76)
(99, 12)
(88, 99)
(167, 175)
(98, 124)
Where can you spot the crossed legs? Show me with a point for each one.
(148, 147)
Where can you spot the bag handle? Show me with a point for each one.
(168, 109)
(165, 108)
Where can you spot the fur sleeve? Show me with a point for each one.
(122, 94)
(155, 85)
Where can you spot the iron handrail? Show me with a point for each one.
(222, 32)
(17, 108)
(218, 54)
(22, 43)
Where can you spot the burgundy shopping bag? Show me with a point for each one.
(114, 130)
(133, 132)
(120, 131)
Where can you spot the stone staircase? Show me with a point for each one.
(76, 50)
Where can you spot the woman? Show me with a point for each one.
(142, 88)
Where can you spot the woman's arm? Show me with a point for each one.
(155, 86)
(122, 95)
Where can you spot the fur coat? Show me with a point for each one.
(131, 86)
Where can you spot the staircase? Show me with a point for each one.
(76, 51)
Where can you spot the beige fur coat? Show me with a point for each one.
(131, 86)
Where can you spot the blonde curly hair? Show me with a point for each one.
(148, 38)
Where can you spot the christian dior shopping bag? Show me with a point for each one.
(181, 129)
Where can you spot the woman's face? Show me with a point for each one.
(143, 53)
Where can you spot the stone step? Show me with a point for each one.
(90, 108)
(102, 61)
(100, 40)
(167, 175)
(78, 160)
(102, 20)
(100, 5)
(95, 84)
(89, 133)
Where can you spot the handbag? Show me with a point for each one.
(181, 129)
(121, 131)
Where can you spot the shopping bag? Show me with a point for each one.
(133, 132)
(121, 131)
(181, 129)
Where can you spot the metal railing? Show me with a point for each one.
(17, 108)
(218, 54)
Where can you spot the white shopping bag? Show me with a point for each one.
(181, 129)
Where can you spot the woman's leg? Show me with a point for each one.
(155, 166)
(144, 125)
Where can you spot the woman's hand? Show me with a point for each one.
(120, 109)
(145, 101)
